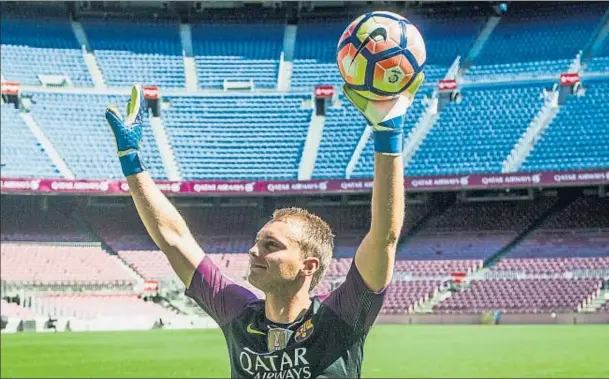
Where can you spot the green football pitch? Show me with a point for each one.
(422, 351)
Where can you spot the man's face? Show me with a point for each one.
(276, 259)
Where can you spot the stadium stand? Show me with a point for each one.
(463, 26)
(76, 126)
(417, 268)
(483, 229)
(22, 155)
(402, 296)
(149, 53)
(578, 137)
(520, 296)
(543, 43)
(44, 264)
(41, 47)
(237, 137)
(23, 222)
(221, 230)
(14, 310)
(576, 238)
(598, 65)
(237, 52)
(553, 265)
(90, 306)
(480, 131)
(261, 135)
(315, 54)
(585, 212)
(342, 130)
(150, 264)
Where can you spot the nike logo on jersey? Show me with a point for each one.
(251, 330)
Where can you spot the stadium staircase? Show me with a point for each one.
(559, 206)
(47, 146)
(479, 43)
(94, 70)
(438, 206)
(428, 119)
(80, 34)
(597, 41)
(88, 55)
(427, 306)
(593, 304)
(421, 129)
(185, 306)
(162, 141)
(526, 143)
(190, 66)
(364, 138)
(286, 66)
(311, 147)
(88, 230)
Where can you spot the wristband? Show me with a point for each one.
(131, 163)
(389, 142)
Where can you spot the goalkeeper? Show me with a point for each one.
(290, 334)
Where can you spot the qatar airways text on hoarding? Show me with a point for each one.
(331, 186)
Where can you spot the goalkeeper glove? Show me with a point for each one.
(128, 133)
(386, 116)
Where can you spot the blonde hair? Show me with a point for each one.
(317, 239)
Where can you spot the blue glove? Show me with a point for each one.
(128, 133)
(386, 116)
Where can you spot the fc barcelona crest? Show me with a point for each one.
(277, 338)
(304, 331)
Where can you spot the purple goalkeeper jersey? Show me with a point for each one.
(326, 342)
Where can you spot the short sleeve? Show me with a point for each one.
(216, 294)
(355, 303)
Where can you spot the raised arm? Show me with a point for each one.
(375, 257)
(166, 226)
(219, 296)
(360, 298)
(162, 220)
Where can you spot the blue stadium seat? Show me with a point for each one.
(22, 155)
(237, 137)
(76, 126)
(545, 42)
(598, 65)
(342, 130)
(477, 135)
(49, 47)
(237, 52)
(143, 52)
(578, 138)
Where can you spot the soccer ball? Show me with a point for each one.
(380, 54)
